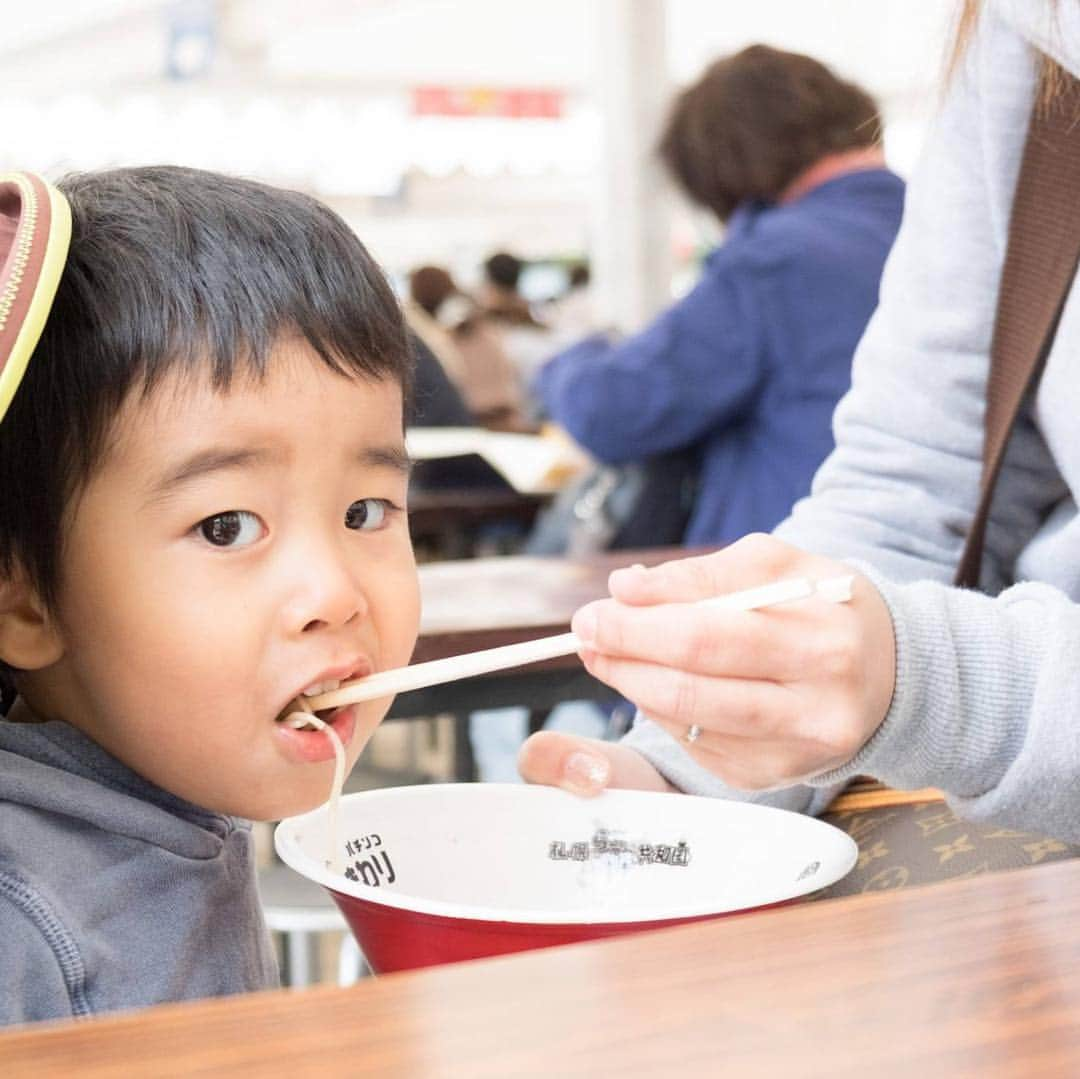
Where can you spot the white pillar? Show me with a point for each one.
(631, 233)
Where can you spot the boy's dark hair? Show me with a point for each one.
(175, 268)
(504, 270)
(755, 120)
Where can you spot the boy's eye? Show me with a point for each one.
(235, 528)
(366, 513)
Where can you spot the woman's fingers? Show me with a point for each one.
(774, 643)
(753, 560)
(585, 766)
(678, 699)
(779, 693)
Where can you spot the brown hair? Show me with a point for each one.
(756, 120)
(430, 286)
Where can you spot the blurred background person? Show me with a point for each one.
(730, 392)
(469, 348)
(499, 289)
(746, 369)
(528, 341)
(436, 400)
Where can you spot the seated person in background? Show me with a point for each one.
(499, 295)
(528, 341)
(202, 492)
(747, 368)
(467, 345)
(436, 401)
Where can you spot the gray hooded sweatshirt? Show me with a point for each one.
(113, 893)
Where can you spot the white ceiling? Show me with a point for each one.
(313, 93)
(891, 46)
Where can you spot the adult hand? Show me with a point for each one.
(585, 766)
(779, 694)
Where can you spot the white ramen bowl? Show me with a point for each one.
(444, 872)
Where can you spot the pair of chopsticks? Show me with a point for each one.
(438, 671)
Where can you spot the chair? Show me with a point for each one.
(301, 910)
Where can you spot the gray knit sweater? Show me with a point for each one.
(987, 701)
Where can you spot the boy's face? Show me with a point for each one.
(233, 550)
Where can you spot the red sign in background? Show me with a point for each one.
(486, 101)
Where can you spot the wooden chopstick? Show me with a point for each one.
(438, 671)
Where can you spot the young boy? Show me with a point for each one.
(202, 492)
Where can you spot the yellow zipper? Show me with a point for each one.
(23, 243)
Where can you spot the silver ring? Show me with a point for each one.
(693, 733)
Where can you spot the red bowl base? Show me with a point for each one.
(393, 939)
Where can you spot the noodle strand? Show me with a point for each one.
(303, 719)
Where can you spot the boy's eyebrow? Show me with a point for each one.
(393, 457)
(217, 459)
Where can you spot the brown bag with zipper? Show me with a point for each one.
(912, 837)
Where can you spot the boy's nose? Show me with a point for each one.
(330, 594)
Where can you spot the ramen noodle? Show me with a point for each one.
(305, 718)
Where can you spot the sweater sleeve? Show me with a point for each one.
(986, 694)
(672, 761)
(696, 367)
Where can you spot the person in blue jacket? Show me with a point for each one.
(746, 369)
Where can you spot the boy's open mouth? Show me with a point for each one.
(298, 706)
(298, 703)
(306, 737)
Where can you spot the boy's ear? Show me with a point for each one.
(28, 636)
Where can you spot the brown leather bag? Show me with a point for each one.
(912, 837)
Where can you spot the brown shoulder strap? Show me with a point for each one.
(1040, 262)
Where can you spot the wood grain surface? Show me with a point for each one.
(475, 603)
(979, 977)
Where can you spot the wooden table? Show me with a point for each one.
(979, 978)
(486, 602)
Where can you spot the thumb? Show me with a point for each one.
(585, 766)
